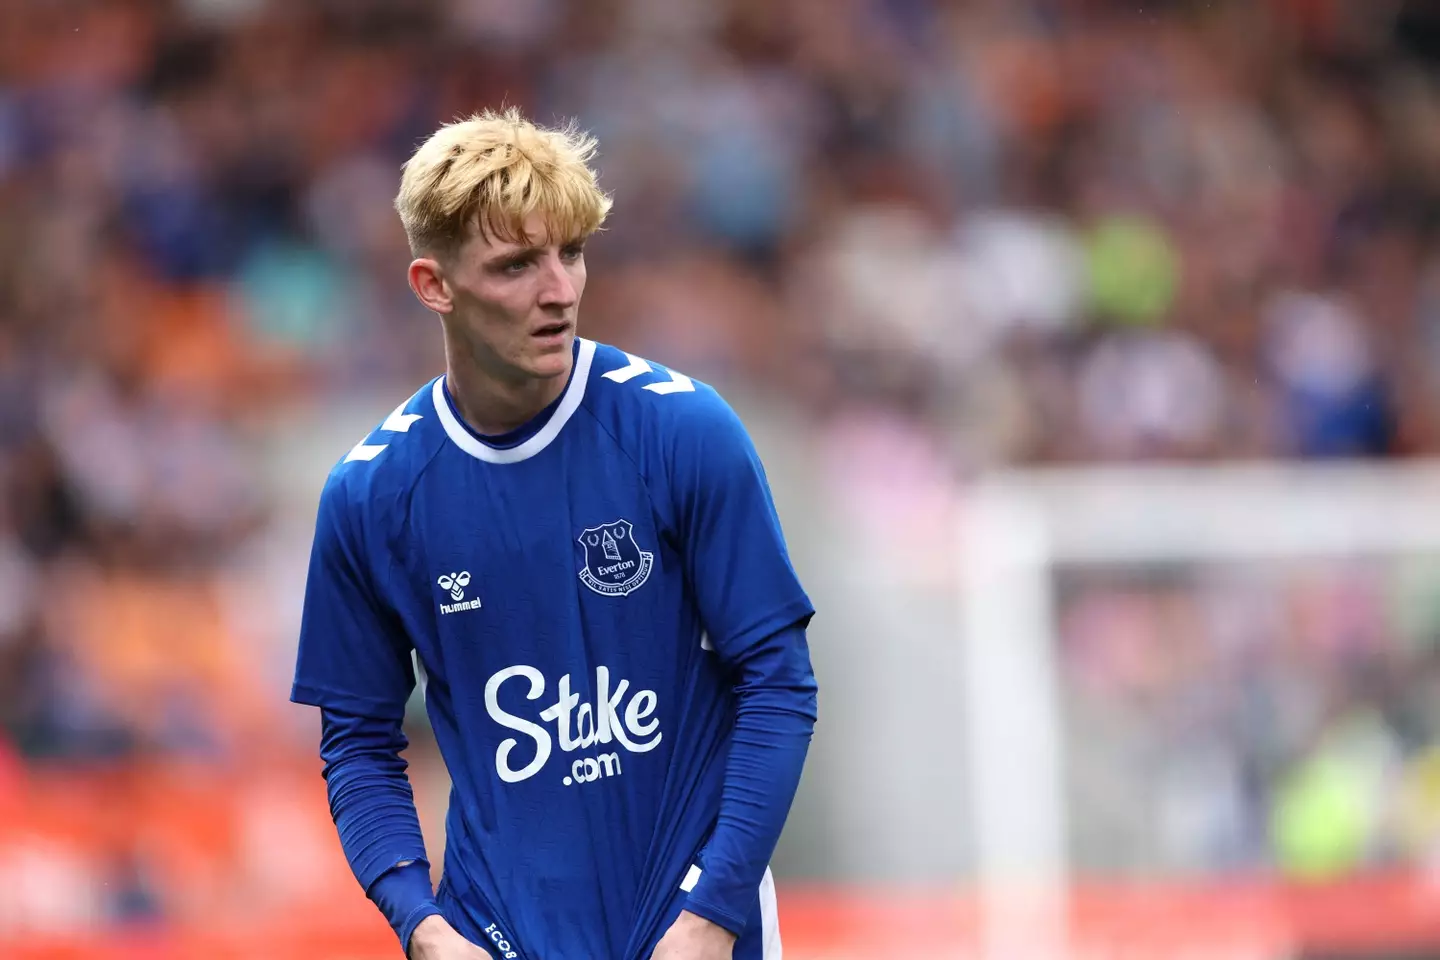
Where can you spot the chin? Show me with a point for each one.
(552, 362)
(549, 369)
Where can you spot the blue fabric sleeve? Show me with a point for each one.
(776, 698)
(374, 812)
(754, 612)
(405, 896)
(353, 656)
(736, 560)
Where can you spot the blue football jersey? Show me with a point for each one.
(572, 601)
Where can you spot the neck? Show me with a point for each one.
(489, 400)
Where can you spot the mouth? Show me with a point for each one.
(555, 329)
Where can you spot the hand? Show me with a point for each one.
(435, 939)
(692, 937)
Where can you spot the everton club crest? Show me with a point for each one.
(614, 564)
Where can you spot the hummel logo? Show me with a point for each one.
(456, 584)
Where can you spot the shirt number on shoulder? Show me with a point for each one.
(678, 382)
(397, 422)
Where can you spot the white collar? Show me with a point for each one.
(569, 403)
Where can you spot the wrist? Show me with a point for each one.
(703, 909)
(705, 927)
(405, 896)
(429, 932)
(424, 915)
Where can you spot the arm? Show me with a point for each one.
(374, 812)
(354, 664)
(755, 612)
(775, 716)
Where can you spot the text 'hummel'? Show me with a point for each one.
(456, 584)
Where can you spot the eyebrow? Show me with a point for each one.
(529, 250)
(519, 253)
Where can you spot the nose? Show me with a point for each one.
(557, 289)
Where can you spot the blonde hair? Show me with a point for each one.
(489, 173)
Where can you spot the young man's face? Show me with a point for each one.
(517, 303)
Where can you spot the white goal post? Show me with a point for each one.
(1015, 528)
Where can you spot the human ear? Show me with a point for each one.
(427, 281)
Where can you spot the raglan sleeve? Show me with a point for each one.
(735, 554)
(755, 613)
(353, 655)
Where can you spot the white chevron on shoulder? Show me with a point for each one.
(635, 368)
(678, 382)
(398, 422)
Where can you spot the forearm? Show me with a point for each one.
(373, 808)
(775, 717)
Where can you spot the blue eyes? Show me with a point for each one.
(517, 267)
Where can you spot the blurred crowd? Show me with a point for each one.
(1010, 231)
(1289, 718)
